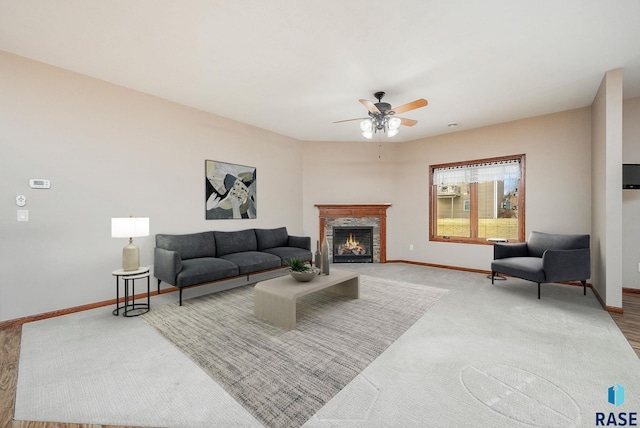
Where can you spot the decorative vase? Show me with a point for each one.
(325, 257)
(318, 257)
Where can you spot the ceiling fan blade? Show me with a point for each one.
(410, 106)
(370, 106)
(350, 120)
(407, 122)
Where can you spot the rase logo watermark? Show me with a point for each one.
(615, 396)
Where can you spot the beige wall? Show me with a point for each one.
(112, 152)
(351, 172)
(557, 149)
(606, 182)
(631, 198)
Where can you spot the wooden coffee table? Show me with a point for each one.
(275, 299)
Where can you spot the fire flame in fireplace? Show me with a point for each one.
(351, 245)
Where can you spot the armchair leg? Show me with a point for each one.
(492, 275)
(538, 291)
(584, 287)
(180, 296)
(159, 285)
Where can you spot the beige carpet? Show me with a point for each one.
(284, 377)
(484, 355)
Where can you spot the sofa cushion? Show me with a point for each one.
(235, 242)
(253, 261)
(205, 269)
(189, 246)
(270, 238)
(539, 242)
(529, 268)
(286, 253)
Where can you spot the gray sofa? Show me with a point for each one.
(545, 257)
(197, 258)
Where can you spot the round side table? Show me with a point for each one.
(131, 309)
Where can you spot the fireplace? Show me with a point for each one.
(355, 215)
(353, 244)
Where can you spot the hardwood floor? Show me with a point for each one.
(629, 324)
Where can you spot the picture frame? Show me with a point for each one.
(230, 191)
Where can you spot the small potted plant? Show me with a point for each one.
(301, 271)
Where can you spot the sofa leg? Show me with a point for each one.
(584, 287)
(180, 296)
(492, 275)
(159, 285)
(538, 291)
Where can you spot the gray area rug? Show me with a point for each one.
(284, 377)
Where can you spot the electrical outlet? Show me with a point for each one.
(411, 249)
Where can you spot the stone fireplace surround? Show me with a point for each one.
(374, 215)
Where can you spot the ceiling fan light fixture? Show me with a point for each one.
(394, 123)
(382, 117)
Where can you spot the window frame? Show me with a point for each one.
(473, 220)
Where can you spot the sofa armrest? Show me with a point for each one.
(567, 265)
(166, 265)
(503, 251)
(303, 242)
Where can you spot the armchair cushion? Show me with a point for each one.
(522, 267)
(538, 242)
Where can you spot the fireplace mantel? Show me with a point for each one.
(333, 211)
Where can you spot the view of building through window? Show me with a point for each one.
(478, 200)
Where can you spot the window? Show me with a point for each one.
(477, 200)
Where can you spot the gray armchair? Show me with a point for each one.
(545, 257)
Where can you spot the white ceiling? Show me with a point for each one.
(294, 67)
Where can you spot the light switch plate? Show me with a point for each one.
(23, 215)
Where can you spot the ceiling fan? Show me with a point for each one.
(382, 116)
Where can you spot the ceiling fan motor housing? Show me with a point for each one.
(383, 107)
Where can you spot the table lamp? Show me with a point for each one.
(129, 227)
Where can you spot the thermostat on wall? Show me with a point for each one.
(39, 183)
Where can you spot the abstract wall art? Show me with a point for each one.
(230, 191)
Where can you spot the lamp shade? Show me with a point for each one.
(366, 125)
(129, 227)
(394, 123)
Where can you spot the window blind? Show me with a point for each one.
(478, 173)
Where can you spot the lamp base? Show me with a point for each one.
(130, 257)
